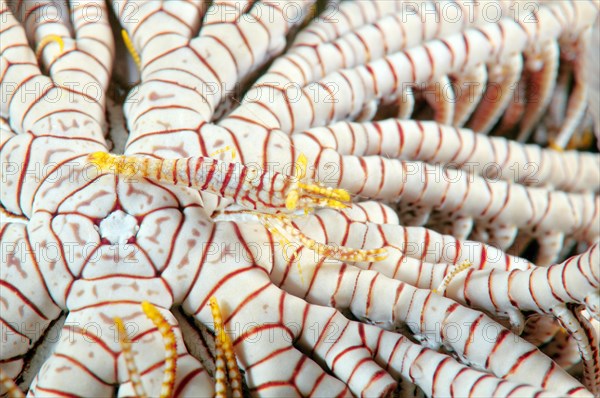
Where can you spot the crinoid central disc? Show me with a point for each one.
(118, 227)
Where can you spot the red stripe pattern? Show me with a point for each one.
(93, 245)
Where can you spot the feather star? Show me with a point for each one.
(314, 199)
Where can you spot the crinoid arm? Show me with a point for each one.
(134, 374)
(226, 365)
(170, 369)
(166, 330)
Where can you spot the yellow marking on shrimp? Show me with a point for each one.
(9, 385)
(312, 13)
(553, 145)
(457, 269)
(224, 149)
(122, 165)
(47, 40)
(318, 194)
(586, 140)
(583, 140)
(168, 335)
(225, 357)
(131, 48)
(134, 374)
(300, 167)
